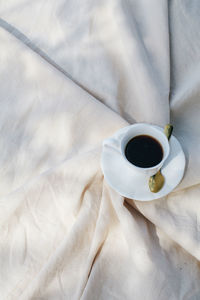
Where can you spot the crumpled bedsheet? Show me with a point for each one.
(72, 73)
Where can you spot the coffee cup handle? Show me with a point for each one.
(113, 144)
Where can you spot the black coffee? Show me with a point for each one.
(144, 151)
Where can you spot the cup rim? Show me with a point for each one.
(164, 156)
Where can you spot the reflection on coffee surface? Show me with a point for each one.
(144, 151)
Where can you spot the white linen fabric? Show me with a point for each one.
(72, 73)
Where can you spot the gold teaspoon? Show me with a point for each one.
(156, 181)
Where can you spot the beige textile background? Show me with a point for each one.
(72, 72)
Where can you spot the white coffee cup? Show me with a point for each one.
(119, 145)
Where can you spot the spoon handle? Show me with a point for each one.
(168, 130)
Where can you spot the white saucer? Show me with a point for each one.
(134, 185)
